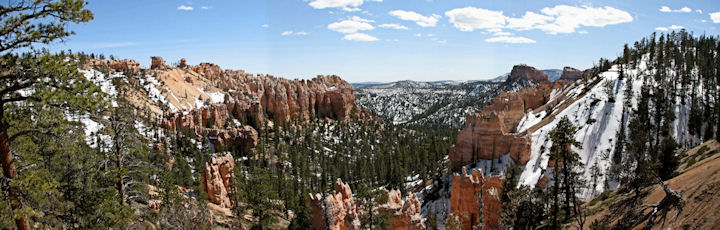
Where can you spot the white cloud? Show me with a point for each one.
(660, 28)
(502, 33)
(205, 7)
(322, 4)
(352, 25)
(421, 20)
(185, 8)
(346, 5)
(715, 17)
(417, 35)
(583, 32)
(569, 18)
(667, 9)
(528, 21)
(290, 32)
(360, 37)
(393, 26)
(359, 19)
(551, 20)
(699, 11)
(471, 18)
(265, 25)
(676, 27)
(430, 35)
(513, 40)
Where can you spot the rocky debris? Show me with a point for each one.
(216, 179)
(467, 190)
(492, 132)
(157, 62)
(571, 74)
(183, 63)
(342, 213)
(526, 74)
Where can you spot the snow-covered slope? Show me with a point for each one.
(596, 107)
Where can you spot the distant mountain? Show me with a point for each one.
(553, 74)
(425, 103)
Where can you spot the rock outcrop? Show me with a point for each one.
(116, 65)
(282, 100)
(216, 179)
(342, 213)
(491, 133)
(255, 99)
(211, 122)
(403, 216)
(158, 63)
(571, 74)
(526, 74)
(467, 190)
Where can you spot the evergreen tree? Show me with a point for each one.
(566, 175)
(24, 24)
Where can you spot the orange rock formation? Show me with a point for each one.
(571, 74)
(216, 179)
(467, 189)
(526, 73)
(491, 133)
(342, 213)
(210, 122)
(403, 216)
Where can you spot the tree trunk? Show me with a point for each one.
(8, 166)
(120, 183)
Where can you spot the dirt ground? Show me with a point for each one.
(699, 184)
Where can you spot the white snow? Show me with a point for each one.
(105, 82)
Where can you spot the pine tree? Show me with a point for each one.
(566, 175)
(24, 24)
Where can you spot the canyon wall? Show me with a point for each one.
(571, 74)
(467, 190)
(525, 73)
(491, 132)
(212, 122)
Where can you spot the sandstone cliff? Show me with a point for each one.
(571, 74)
(212, 122)
(116, 65)
(492, 132)
(526, 74)
(467, 190)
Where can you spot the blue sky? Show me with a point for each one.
(381, 40)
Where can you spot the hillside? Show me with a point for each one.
(697, 182)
